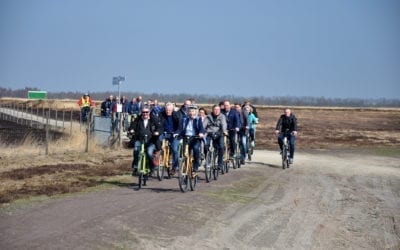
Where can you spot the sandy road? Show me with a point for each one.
(326, 201)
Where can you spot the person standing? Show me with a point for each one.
(85, 103)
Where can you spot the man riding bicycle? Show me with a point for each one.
(216, 129)
(233, 126)
(140, 128)
(193, 126)
(170, 120)
(287, 126)
(243, 132)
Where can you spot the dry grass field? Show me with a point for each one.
(25, 171)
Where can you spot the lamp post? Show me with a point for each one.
(117, 80)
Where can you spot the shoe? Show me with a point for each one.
(290, 160)
(173, 171)
(242, 162)
(280, 152)
(253, 144)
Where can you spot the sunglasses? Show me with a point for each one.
(145, 112)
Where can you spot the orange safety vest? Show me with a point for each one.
(85, 102)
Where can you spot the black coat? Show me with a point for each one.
(140, 130)
(285, 123)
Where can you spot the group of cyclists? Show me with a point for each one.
(172, 123)
(155, 122)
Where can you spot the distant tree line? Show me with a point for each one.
(209, 98)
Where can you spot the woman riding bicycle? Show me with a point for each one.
(287, 126)
(141, 127)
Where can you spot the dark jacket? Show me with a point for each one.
(232, 119)
(140, 130)
(244, 121)
(176, 121)
(285, 123)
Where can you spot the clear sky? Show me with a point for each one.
(330, 48)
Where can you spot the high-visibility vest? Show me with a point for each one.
(85, 102)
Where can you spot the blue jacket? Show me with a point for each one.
(232, 119)
(197, 126)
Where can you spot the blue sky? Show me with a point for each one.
(332, 48)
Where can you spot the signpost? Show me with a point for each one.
(117, 80)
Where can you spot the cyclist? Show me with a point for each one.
(287, 122)
(253, 120)
(170, 120)
(233, 125)
(243, 132)
(254, 110)
(140, 127)
(183, 111)
(203, 116)
(193, 126)
(216, 129)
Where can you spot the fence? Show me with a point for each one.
(44, 117)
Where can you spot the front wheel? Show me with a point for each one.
(209, 162)
(183, 177)
(193, 181)
(285, 161)
(161, 166)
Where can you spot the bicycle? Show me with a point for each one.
(210, 166)
(227, 160)
(186, 176)
(236, 153)
(285, 150)
(250, 148)
(143, 169)
(165, 158)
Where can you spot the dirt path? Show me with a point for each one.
(326, 201)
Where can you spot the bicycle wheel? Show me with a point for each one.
(227, 166)
(215, 171)
(237, 155)
(284, 157)
(161, 166)
(208, 166)
(193, 181)
(183, 177)
(141, 170)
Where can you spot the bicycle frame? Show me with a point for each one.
(143, 165)
(186, 175)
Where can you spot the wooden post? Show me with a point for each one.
(47, 133)
(70, 121)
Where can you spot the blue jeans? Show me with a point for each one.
(149, 151)
(243, 149)
(291, 139)
(194, 145)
